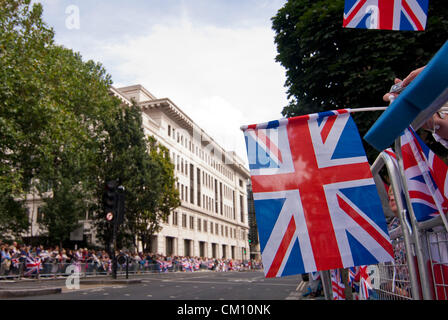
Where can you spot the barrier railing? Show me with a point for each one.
(437, 241)
(397, 280)
(420, 267)
(54, 270)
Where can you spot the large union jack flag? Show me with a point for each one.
(386, 14)
(316, 204)
(426, 177)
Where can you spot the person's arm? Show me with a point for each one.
(406, 81)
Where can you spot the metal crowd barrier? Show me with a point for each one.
(420, 267)
(397, 280)
(430, 246)
(437, 242)
(52, 270)
(420, 270)
(55, 270)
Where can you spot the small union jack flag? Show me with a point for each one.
(426, 177)
(15, 262)
(352, 274)
(316, 204)
(365, 285)
(386, 14)
(33, 265)
(337, 285)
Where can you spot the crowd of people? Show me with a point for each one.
(27, 261)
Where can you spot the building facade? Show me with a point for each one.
(212, 220)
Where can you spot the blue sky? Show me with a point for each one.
(215, 59)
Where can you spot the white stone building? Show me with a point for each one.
(212, 220)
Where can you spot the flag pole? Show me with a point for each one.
(367, 109)
(244, 127)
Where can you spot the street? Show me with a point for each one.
(184, 286)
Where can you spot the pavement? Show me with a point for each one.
(45, 286)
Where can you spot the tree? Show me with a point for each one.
(70, 169)
(23, 38)
(52, 106)
(329, 67)
(143, 167)
(13, 217)
(149, 221)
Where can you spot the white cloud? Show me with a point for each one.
(214, 59)
(221, 77)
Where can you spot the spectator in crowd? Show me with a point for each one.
(314, 288)
(53, 261)
(5, 260)
(400, 286)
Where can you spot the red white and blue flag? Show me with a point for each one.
(365, 283)
(337, 285)
(33, 266)
(316, 204)
(426, 177)
(352, 274)
(408, 15)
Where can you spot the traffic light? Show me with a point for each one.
(110, 201)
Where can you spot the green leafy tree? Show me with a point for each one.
(167, 196)
(143, 167)
(13, 217)
(24, 116)
(329, 67)
(52, 106)
(62, 210)
(71, 167)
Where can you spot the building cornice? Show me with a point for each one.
(115, 92)
(166, 106)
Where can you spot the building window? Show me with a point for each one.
(192, 223)
(199, 225)
(242, 208)
(169, 131)
(40, 214)
(184, 220)
(175, 218)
